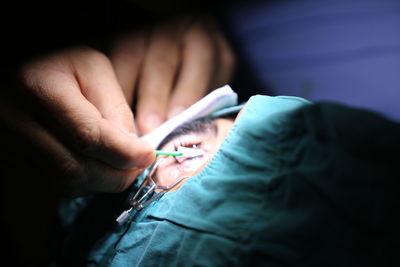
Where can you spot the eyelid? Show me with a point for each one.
(188, 141)
(189, 154)
(190, 144)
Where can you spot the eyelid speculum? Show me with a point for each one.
(189, 153)
(149, 190)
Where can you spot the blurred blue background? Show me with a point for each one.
(342, 51)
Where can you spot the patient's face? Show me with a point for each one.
(206, 136)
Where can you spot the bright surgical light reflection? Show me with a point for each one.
(207, 143)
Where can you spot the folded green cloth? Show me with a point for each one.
(293, 184)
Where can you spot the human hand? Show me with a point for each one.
(79, 121)
(171, 66)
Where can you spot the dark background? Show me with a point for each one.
(31, 29)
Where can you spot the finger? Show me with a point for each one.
(92, 127)
(98, 83)
(196, 71)
(157, 78)
(126, 57)
(53, 152)
(226, 61)
(99, 177)
(100, 87)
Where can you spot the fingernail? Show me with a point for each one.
(152, 121)
(175, 111)
(146, 160)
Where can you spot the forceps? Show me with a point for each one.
(143, 196)
(147, 192)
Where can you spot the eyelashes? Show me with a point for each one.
(186, 144)
(195, 141)
(186, 164)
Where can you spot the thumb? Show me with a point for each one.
(116, 142)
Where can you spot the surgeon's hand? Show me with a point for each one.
(172, 66)
(71, 108)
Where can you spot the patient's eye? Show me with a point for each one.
(194, 151)
(190, 153)
(189, 141)
(200, 147)
(191, 150)
(190, 145)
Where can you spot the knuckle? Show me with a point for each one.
(97, 57)
(119, 110)
(167, 63)
(88, 54)
(81, 49)
(197, 30)
(199, 34)
(122, 109)
(228, 58)
(43, 73)
(121, 185)
(44, 68)
(120, 182)
(164, 35)
(141, 121)
(73, 178)
(87, 136)
(70, 168)
(201, 43)
(31, 73)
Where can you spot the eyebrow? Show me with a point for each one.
(204, 125)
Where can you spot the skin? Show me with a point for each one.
(75, 108)
(170, 67)
(169, 170)
(70, 111)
